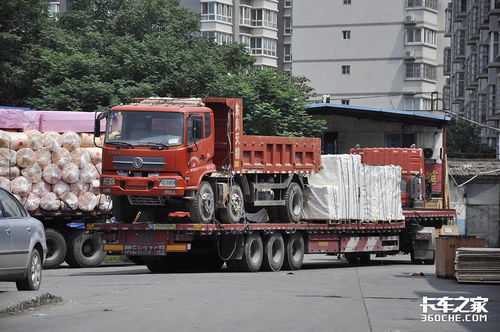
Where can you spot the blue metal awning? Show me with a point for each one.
(381, 114)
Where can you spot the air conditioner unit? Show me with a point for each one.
(410, 19)
(409, 54)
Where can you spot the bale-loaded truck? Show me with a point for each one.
(190, 190)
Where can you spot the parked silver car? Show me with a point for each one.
(22, 244)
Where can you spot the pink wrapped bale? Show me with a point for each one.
(60, 188)
(41, 188)
(43, 156)
(25, 157)
(33, 173)
(80, 157)
(52, 174)
(35, 139)
(50, 202)
(11, 118)
(21, 186)
(32, 202)
(89, 174)
(31, 120)
(52, 140)
(7, 157)
(5, 184)
(70, 200)
(71, 140)
(87, 202)
(80, 122)
(9, 172)
(61, 157)
(71, 173)
(95, 155)
(14, 141)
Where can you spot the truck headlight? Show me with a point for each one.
(108, 181)
(167, 183)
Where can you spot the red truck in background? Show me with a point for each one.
(212, 170)
(163, 155)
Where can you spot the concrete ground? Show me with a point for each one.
(326, 295)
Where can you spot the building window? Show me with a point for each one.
(420, 70)
(245, 15)
(54, 8)
(245, 40)
(345, 101)
(218, 37)
(414, 35)
(288, 4)
(261, 45)
(347, 2)
(346, 34)
(287, 52)
(400, 140)
(447, 61)
(264, 17)
(460, 43)
(412, 104)
(214, 11)
(346, 69)
(494, 48)
(287, 22)
(432, 4)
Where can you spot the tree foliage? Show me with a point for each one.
(464, 141)
(105, 52)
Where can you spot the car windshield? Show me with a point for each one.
(145, 128)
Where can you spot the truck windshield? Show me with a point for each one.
(145, 128)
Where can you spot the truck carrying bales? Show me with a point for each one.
(50, 162)
(281, 211)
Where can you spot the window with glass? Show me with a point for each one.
(145, 128)
(262, 45)
(264, 17)
(288, 4)
(447, 61)
(218, 37)
(287, 22)
(195, 128)
(215, 11)
(54, 8)
(400, 140)
(419, 34)
(346, 34)
(420, 70)
(346, 69)
(431, 4)
(345, 101)
(347, 2)
(412, 104)
(245, 15)
(287, 52)
(11, 206)
(245, 39)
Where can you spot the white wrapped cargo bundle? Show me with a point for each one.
(50, 202)
(61, 157)
(87, 201)
(80, 157)
(13, 140)
(105, 203)
(7, 157)
(79, 188)
(89, 173)
(70, 200)
(25, 157)
(52, 140)
(71, 173)
(5, 184)
(33, 173)
(43, 156)
(9, 172)
(32, 202)
(52, 174)
(60, 188)
(20, 186)
(71, 140)
(95, 155)
(40, 188)
(320, 203)
(35, 139)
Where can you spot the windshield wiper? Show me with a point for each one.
(155, 145)
(121, 144)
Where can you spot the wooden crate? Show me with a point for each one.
(445, 252)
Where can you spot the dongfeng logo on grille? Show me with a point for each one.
(137, 162)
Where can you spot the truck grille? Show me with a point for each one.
(146, 200)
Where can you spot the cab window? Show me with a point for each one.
(195, 128)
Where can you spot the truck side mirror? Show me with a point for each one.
(97, 123)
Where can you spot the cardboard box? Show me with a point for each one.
(445, 252)
(449, 230)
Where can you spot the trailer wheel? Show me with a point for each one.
(294, 254)
(202, 208)
(294, 201)
(85, 250)
(253, 254)
(56, 249)
(235, 207)
(274, 253)
(122, 210)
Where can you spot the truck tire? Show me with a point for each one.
(235, 207)
(274, 253)
(253, 254)
(202, 208)
(294, 253)
(33, 277)
(122, 210)
(85, 250)
(56, 249)
(294, 202)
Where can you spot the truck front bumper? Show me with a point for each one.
(141, 186)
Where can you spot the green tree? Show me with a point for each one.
(274, 102)
(464, 141)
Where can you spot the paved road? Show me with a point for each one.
(327, 295)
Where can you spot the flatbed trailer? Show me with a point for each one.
(267, 246)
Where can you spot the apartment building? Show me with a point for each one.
(382, 53)
(472, 63)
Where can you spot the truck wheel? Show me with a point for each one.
(202, 208)
(33, 277)
(274, 253)
(56, 249)
(136, 259)
(294, 253)
(85, 250)
(235, 207)
(122, 210)
(292, 211)
(253, 254)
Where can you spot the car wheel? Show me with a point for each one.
(33, 278)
